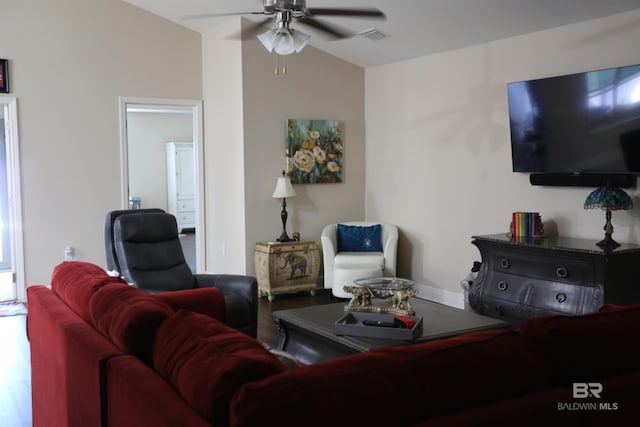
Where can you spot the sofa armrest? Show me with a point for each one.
(207, 301)
(241, 299)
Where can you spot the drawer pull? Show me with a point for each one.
(505, 263)
(561, 297)
(562, 272)
(502, 286)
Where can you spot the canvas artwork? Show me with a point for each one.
(4, 76)
(315, 151)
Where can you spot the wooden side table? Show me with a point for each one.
(286, 267)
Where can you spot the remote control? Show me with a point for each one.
(377, 323)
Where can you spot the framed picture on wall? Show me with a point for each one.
(314, 150)
(4, 76)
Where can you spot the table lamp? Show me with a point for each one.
(608, 199)
(283, 190)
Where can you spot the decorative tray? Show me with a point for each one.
(352, 324)
(384, 287)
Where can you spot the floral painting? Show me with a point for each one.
(314, 151)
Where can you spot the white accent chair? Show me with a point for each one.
(342, 268)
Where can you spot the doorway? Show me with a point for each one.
(150, 128)
(12, 284)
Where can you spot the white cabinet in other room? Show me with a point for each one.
(181, 183)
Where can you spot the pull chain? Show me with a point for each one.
(284, 65)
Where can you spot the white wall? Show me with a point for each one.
(438, 154)
(70, 60)
(223, 151)
(147, 135)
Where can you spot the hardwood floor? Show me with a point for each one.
(15, 371)
(267, 330)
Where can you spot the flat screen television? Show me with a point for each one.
(584, 123)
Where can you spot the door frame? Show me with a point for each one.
(196, 113)
(15, 197)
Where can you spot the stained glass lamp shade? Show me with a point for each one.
(608, 199)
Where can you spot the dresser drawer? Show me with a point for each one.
(552, 266)
(504, 286)
(186, 205)
(185, 218)
(505, 309)
(544, 295)
(560, 297)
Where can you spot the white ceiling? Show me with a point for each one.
(416, 27)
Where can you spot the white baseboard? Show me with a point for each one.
(441, 296)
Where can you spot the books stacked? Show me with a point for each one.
(525, 224)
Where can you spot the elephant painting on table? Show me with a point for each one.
(297, 264)
(287, 267)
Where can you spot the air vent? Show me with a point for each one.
(373, 34)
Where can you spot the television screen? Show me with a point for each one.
(579, 123)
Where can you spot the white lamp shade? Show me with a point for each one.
(284, 41)
(267, 40)
(284, 188)
(300, 39)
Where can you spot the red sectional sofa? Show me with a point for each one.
(107, 354)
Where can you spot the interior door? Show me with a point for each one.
(130, 106)
(12, 285)
(5, 237)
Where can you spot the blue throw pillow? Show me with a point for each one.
(354, 238)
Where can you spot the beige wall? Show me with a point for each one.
(245, 111)
(440, 125)
(316, 86)
(70, 60)
(437, 154)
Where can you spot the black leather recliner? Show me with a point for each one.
(147, 253)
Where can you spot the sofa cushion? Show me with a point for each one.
(359, 261)
(356, 238)
(129, 317)
(591, 346)
(76, 281)
(208, 301)
(397, 385)
(207, 362)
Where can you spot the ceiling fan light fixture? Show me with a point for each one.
(284, 41)
(267, 39)
(300, 39)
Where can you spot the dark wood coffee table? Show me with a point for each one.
(308, 333)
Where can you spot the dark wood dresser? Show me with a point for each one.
(520, 278)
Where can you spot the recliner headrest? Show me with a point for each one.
(146, 227)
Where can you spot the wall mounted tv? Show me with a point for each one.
(579, 125)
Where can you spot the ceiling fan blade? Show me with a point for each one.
(216, 15)
(254, 29)
(354, 13)
(250, 31)
(333, 30)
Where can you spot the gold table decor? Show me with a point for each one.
(393, 291)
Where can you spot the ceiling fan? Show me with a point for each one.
(284, 40)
